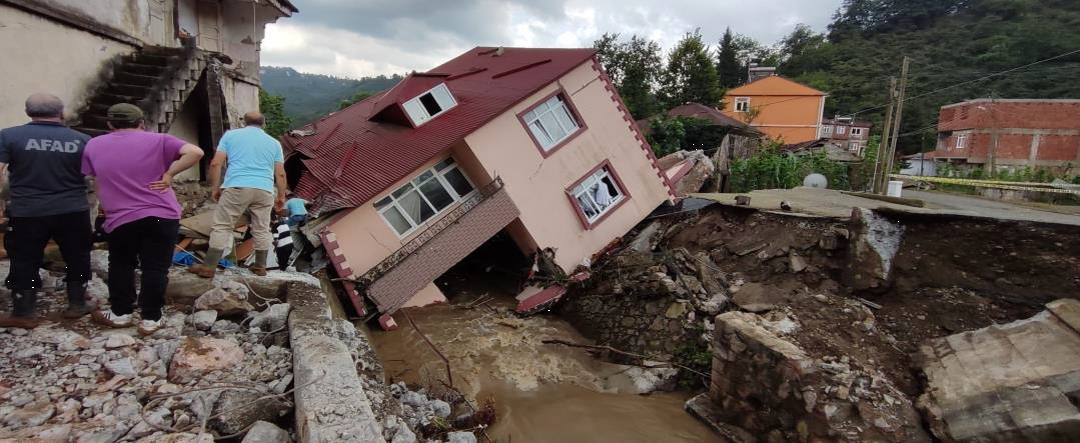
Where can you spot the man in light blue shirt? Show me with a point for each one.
(297, 211)
(255, 169)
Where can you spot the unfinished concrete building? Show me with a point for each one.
(192, 65)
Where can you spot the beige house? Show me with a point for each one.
(534, 144)
(192, 65)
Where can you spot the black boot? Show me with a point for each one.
(77, 306)
(23, 303)
(22, 310)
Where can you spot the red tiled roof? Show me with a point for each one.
(712, 114)
(350, 159)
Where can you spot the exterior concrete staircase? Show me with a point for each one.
(157, 79)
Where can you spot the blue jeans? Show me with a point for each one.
(296, 220)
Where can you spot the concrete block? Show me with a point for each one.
(331, 404)
(1010, 382)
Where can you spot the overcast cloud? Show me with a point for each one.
(356, 38)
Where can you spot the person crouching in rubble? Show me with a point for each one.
(134, 170)
(254, 169)
(48, 200)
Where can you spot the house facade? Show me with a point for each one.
(847, 133)
(1028, 132)
(783, 109)
(192, 65)
(531, 143)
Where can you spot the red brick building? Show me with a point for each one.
(1030, 133)
(847, 133)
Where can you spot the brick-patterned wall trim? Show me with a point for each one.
(634, 127)
(446, 249)
(341, 265)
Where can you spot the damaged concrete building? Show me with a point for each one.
(532, 143)
(192, 65)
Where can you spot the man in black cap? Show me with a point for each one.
(48, 200)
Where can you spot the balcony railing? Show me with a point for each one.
(430, 232)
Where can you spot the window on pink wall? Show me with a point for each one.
(597, 195)
(552, 122)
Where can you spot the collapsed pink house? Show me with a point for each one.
(534, 143)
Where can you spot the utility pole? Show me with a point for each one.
(879, 169)
(990, 166)
(899, 117)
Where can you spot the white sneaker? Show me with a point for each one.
(108, 318)
(148, 327)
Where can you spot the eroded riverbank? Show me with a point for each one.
(542, 393)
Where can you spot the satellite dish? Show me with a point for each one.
(816, 180)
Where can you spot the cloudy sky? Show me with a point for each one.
(356, 38)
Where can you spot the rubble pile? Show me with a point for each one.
(818, 320)
(205, 373)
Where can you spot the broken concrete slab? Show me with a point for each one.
(331, 403)
(1008, 382)
(755, 297)
(875, 240)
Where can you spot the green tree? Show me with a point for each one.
(273, 110)
(356, 98)
(727, 64)
(691, 75)
(634, 67)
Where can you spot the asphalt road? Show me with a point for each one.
(995, 208)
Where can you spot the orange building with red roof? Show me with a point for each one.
(783, 109)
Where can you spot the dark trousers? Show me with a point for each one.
(283, 254)
(148, 242)
(71, 232)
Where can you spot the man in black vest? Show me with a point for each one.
(48, 200)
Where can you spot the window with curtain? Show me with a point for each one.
(597, 194)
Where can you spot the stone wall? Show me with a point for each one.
(647, 324)
(764, 382)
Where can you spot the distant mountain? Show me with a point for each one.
(310, 96)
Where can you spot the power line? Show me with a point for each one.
(969, 81)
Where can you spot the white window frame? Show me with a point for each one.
(961, 141)
(556, 107)
(742, 104)
(856, 131)
(826, 130)
(581, 192)
(855, 146)
(440, 175)
(840, 130)
(419, 114)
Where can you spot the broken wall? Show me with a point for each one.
(42, 55)
(765, 383)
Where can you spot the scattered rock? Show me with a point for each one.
(197, 356)
(797, 263)
(265, 432)
(224, 327)
(33, 414)
(119, 340)
(223, 301)
(203, 320)
(235, 416)
(122, 366)
(754, 297)
(272, 318)
(403, 435)
(441, 408)
(460, 437)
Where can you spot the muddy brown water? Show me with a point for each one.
(542, 392)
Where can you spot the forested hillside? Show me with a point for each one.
(310, 96)
(953, 44)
